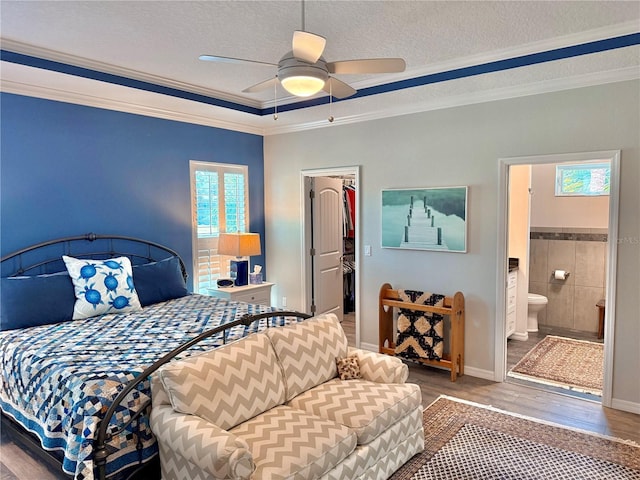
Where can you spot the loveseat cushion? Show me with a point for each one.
(368, 408)
(189, 443)
(227, 385)
(308, 351)
(292, 444)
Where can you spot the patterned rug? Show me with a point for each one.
(469, 441)
(563, 362)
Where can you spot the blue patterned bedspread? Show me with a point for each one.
(57, 379)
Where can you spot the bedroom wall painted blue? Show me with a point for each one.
(67, 170)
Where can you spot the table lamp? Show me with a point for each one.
(239, 245)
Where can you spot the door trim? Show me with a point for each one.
(500, 359)
(306, 232)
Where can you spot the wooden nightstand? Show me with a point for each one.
(259, 293)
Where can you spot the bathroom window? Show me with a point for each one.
(583, 179)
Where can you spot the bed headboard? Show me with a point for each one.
(46, 257)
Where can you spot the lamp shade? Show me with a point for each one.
(239, 244)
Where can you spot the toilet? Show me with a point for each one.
(535, 304)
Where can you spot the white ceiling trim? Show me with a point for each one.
(505, 93)
(249, 126)
(48, 93)
(46, 54)
(59, 86)
(611, 31)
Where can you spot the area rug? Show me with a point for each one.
(563, 362)
(469, 441)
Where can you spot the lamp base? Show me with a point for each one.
(240, 272)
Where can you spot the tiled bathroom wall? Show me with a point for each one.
(579, 251)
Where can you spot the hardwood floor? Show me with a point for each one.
(349, 327)
(529, 400)
(18, 464)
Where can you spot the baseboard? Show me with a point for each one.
(523, 337)
(479, 373)
(471, 371)
(372, 347)
(626, 406)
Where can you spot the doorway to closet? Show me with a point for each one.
(330, 246)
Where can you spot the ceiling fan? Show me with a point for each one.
(303, 71)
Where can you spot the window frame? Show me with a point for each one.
(564, 167)
(210, 243)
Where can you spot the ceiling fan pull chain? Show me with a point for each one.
(275, 96)
(330, 101)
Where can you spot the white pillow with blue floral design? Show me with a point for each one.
(102, 286)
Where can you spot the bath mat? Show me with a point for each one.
(563, 362)
(465, 440)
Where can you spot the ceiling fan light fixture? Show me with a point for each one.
(302, 79)
(302, 85)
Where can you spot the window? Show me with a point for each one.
(219, 199)
(583, 179)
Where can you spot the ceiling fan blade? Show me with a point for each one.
(337, 88)
(258, 87)
(371, 65)
(216, 58)
(307, 46)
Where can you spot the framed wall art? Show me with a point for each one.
(425, 219)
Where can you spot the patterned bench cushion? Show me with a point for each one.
(368, 408)
(228, 385)
(291, 444)
(308, 351)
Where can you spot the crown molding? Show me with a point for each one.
(483, 96)
(546, 45)
(217, 120)
(229, 118)
(106, 68)
(48, 93)
(579, 38)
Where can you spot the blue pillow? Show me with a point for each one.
(37, 300)
(159, 281)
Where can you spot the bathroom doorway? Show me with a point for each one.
(565, 251)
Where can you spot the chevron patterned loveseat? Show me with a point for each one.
(272, 406)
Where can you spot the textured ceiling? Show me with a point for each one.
(160, 41)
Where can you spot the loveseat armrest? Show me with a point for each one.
(214, 450)
(380, 368)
